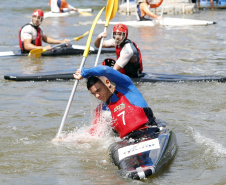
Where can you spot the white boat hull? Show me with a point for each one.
(164, 22)
(184, 22)
(65, 14)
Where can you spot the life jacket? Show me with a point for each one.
(127, 117)
(36, 42)
(139, 14)
(131, 69)
(64, 6)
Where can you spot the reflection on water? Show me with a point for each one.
(31, 65)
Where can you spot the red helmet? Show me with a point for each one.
(121, 28)
(122, 31)
(38, 12)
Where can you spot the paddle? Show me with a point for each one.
(163, 6)
(80, 11)
(85, 54)
(85, 13)
(36, 53)
(111, 9)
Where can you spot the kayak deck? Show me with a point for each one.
(164, 22)
(144, 153)
(152, 78)
(76, 50)
(65, 14)
(63, 50)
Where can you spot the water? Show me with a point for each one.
(31, 112)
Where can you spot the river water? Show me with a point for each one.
(31, 112)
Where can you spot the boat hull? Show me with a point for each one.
(145, 154)
(164, 22)
(151, 78)
(65, 14)
(64, 50)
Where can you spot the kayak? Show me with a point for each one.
(152, 78)
(163, 22)
(144, 152)
(63, 50)
(65, 14)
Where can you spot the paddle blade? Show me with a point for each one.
(115, 9)
(109, 8)
(86, 14)
(80, 37)
(86, 52)
(36, 53)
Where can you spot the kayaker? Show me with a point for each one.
(31, 34)
(143, 11)
(129, 110)
(59, 6)
(129, 60)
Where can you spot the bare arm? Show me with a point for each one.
(71, 8)
(98, 40)
(50, 40)
(117, 67)
(157, 4)
(148, 12)
(28, 46)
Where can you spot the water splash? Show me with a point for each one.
(87, 136)
(213, 146)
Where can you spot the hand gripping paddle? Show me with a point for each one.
(36, 53)
(111, 9)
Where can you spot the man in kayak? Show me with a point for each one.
(59, 6)
(129, 60)
(31, 34)
(143, 10)
(129, 110)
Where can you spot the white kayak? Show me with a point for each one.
(164, 22)
(65, 14)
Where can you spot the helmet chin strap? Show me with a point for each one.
(123, 37)
(119, 43)
(40, 22)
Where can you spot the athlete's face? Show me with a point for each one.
(100, 91)
(36, 20)
(119, 37)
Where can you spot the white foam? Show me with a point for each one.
(217, 148)
(82, 135)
